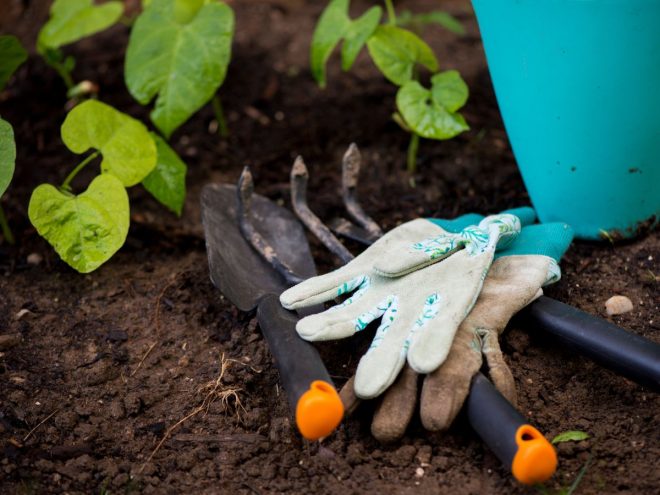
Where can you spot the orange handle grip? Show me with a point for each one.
(319, 411)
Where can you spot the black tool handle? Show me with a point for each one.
(298, 362)
(630, 355)
(519, 446)
(306, 381)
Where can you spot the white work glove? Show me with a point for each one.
(420, 309)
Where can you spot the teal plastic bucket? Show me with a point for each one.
(578, 85)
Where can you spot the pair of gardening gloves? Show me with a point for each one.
(444, 291)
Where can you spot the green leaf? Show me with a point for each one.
(183, 63)
(432, 113)
(395, 52)
(357, 35)
(570, 436)
(335, 25)
(7, 155)
(12, 56)
(85, 230)
(439, 17)
(72, 20)
(167, 182)
(128, 150)
(449, 90)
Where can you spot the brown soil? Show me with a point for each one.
(109, 361)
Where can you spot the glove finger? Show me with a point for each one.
(382, 363)
(499, 371)
(323, 288)
(348, 397)
(395, 411)
(445, 390)
(341, 321)
(430, 344)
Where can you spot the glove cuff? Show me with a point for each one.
(526, 214)
(546, 239)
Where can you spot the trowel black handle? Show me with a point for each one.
(630, 355)
(518, 445)
(311, 394)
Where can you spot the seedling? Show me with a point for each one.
(7, 160)
(88, 228)
(398, 53)
(178, 52)
(70, 21)
(569, 436)
(12, 55)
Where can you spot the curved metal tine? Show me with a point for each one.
(244, 199)
(349, 181)
(299, 177)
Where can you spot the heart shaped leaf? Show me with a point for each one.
(71, 20)
(7, 155)
(395, 52)
(167, 182)
(432, 113)
(449, 90)
(335, 25)
(184, 63)
(85, 230)
(128, 150)
(12, 55)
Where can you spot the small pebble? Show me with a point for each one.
(617, 305)
(419, 472)
(34, 259)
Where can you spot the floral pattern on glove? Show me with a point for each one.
(477, 239)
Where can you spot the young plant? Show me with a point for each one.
(12, 56)
(70, 21)
(88, 228)
(398, 53)
(569, 436)
(178, 52)
(7, 161)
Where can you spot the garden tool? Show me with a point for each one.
(249, 281)
(520, 446)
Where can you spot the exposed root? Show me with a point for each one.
(212, 391)
(40, 423)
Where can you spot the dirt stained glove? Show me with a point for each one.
(427, 281)
(515, 279)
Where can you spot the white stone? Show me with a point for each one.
(34, 259)
(617, 305)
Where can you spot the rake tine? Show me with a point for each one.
(299, 177)
(349, 181)
(244, 195)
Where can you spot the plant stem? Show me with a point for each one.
(64, 74)
(223, 130)
(79, 167)
(391, 14)
(4, 225)
(413, 147)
